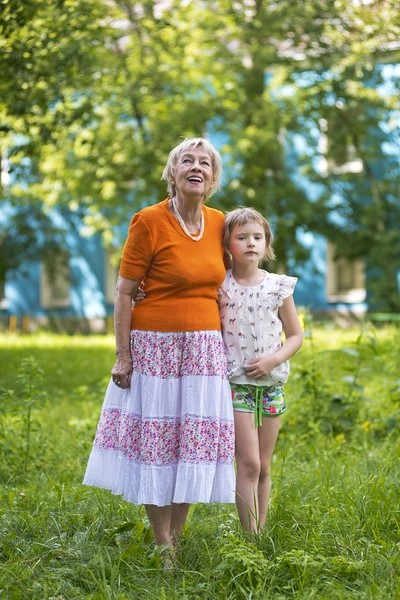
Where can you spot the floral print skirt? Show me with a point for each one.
(170, 437)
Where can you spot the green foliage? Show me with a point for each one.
(95, 93)
(30, 377)
(334, 405)
(243, 567)
(18, 415)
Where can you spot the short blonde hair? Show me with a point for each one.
(242, 215)
(216, 163)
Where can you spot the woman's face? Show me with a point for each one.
(193, 172)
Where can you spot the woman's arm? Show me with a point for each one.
(124, 292)
(261, 367)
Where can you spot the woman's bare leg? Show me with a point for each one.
(167, 522)
(160, 521)
(178, 518)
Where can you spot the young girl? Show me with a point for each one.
(255, 305)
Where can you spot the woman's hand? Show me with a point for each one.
(122, 372)
(261, 367)
(125, 290)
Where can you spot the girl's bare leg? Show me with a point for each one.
(267, 436)
(247, 470)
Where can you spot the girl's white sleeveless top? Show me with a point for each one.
(251, 327)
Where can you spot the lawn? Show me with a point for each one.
(333, 526)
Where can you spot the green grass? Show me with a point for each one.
(333, 526)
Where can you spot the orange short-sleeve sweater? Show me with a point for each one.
(181, 276)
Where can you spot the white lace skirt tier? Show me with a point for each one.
(170, 437)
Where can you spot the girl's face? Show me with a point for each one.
(247, 243)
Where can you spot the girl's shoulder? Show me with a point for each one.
(280, 285)
(279, 278)
(226, 286)
(271, 281)
(228, 278)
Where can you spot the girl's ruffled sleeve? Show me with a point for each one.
(285, 287)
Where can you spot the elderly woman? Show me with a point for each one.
(165, 437)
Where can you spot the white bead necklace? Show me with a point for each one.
(181, 222)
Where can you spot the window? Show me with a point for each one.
(112, 268)
(351, 162)
(3, 300)
(345, 278)
(339, 158)
(55, 281)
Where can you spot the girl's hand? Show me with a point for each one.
(122, 372)
(261, 367)
(140, 295)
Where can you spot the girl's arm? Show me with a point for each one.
(124, 291)
(261, 367)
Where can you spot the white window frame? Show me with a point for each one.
(55, 292)
(351, 294)
(111, 275)
(3, 299)
(352, 164)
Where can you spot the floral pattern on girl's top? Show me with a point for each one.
(251, 326)
(173, 355)
(166, 441)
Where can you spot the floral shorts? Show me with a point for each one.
(246, 397)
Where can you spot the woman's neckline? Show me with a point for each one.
(252, 285)
(196, 237)
(174, 221)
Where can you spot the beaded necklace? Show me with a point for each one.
(181, 222)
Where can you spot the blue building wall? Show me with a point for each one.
(87, 289)
(88, 283)
(88, 257)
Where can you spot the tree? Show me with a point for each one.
(29, 233)
(301, 65)
(314, 69)
(101, 90)
(102, 141)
